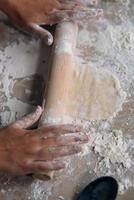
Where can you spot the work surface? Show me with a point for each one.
(105, 43)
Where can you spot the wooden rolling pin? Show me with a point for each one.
(56, 96)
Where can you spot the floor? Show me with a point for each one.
(23, 69)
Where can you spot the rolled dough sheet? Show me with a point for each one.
(94, 95)
(91, 94)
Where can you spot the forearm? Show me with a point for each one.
(3, 164)
(1, 4)
(3, 150)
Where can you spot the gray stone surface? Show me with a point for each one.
(23, 65)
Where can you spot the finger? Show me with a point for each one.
(57, 16)
(29, 120)
(35, 29)
(59, 129)
(45, 175)
(73, 6)
(42, 167)
(51, 154)
(69, 6)
(77, 138)
(62, 15)
(70, 1)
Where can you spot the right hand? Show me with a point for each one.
(29, 15)
(35, 151)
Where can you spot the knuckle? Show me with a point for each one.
(46, 156)
(23, 166)
(56, 139)
(52, 156)
(41, 167)
(32, 145)
(34, 148)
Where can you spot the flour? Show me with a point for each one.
(114, 157)
(65, 47)
(83, 16)
(40, 190)
(111, 153)
(117, 53)
(107, 44)
(122, 38)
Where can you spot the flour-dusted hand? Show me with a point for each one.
(36, 151)
(28, 15)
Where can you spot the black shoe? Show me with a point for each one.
(105, 188)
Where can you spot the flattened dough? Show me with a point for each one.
(78, 92)
(94, 95)
(83, 93)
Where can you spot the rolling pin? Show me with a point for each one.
(56, 94)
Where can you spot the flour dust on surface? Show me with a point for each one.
(105, 42)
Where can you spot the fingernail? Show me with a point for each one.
(49, 40)
(38, 109)
(62, 165)
(82, 138)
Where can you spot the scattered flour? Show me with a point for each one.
(110, 47)
(112, 150)
(113, 154)
(40, 190)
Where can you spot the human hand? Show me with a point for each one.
(36, 151)
(28, 15)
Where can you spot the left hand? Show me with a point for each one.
(38, 151)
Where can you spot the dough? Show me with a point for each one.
(94, 95)
(77, 92)
(84, 93)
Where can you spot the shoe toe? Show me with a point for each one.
(105, 188)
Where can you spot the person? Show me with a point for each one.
(24, 151)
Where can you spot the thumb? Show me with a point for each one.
(29, 119)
